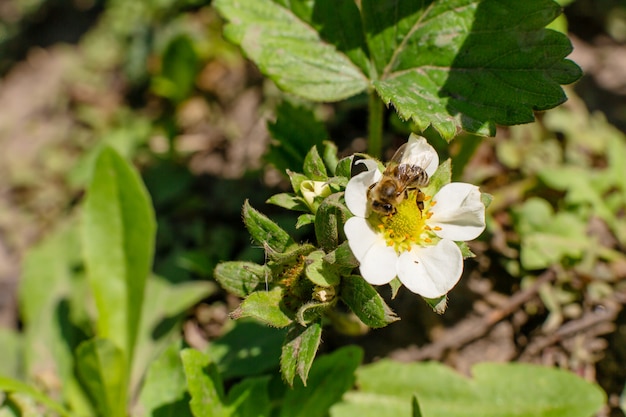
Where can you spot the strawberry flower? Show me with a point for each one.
(416, 245)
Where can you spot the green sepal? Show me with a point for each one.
(311, 311)
(465, 250)
(441, 177)
(439, 305)
(319, 271)
(265, 306)
(290, 255)
(329, 220)
(314, 167)
(342, 259)
(289, 201)
(239, 277)
(365, 302)
(305, 219)
(263, 230)
(486, 199)
(299, 349)
(344, 167)
(296, 180)
(338, 183)
(329, 155)
(395, 285)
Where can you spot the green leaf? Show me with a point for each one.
(295, 131)
(329, 220)
(165, 308)
(241, 278)
(330, 377)
(468, 64)
(452, 64)
(12, 385)
(329, 155)
(118, 238)
(179, 68)
(204, 384)
(496, 390)
(11, 348)
(308, 66)
(288, 201)
(263, 230)
(165, 389)
(319, 271)
(265, 306)
(250, 397)
(344, 167)
(298, 352)
(365, 302)
(248, 349)
(314, 167)
(548, 238)
(305, 219)
(102, 369)
(342, 259)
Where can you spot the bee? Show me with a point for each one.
(402, 174)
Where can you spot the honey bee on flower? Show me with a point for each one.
(413, 237)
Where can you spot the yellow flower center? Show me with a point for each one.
(408, 225)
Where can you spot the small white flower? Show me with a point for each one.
(415, 245)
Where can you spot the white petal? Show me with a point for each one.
(419, 152)
(378, 267)
(356, 190)
(360, 236)
(431, 271)
(459, 212)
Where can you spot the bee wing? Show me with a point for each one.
(411, 176)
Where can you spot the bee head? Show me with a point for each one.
(383, 208)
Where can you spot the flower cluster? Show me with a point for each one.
(417, 242)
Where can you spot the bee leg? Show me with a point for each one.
(419, 200)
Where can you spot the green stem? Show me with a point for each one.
(375, 127)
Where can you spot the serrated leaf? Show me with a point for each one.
(496, 390)
(265, 306)
(310, 67)
(102, 368)
(118, 234)
(468, 64)
(263, 230)
(299, 350)
(460, 64)
(241, 278)
(365, 302)
(330, 377)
